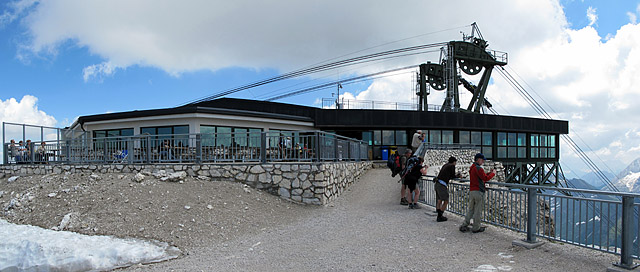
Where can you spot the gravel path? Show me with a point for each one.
(367, 230)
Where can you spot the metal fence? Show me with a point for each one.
(193, 148)
(599, 220)
(350, 104)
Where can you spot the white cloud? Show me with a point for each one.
(180, 37)
(24, 111)
(588, 80)
(633, 18)
(98, 71)
(592, 15)
(14, 11)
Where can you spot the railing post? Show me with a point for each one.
(626, 261)
(148, 148)
(67, 150)
(335, 148)
(532, 215)
(198, 148)
(263, 147)
(317, 146)
(130, 153)
(5, 157)
(104, 150)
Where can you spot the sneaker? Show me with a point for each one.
(416, 206)
(410, 206)
(403, 201)
(442, 219)
(464, 229)
(481, 229)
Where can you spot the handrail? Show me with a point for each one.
(247, 146)
(599, 222)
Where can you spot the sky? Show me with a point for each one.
(64, 59)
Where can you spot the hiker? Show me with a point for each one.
(412, 177)
(403, 164)
(477, 188)
(447, 172)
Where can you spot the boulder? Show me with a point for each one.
(139, 177)
(177, 176)
(12, 179)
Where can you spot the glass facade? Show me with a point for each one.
(231, 136)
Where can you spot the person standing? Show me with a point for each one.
(403, 164)
(477, 178)
(416, 141)
(447, 172)
(412, 177)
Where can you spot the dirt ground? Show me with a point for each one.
(187, 214)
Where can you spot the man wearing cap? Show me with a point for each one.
(477, 188)
(447, 172)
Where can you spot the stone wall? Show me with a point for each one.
(436, 158)
(308, 183)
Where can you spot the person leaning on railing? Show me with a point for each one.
(447, 173)
(13, 149)
(477, 178)
(41, 153)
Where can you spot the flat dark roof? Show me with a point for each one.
(334, 119)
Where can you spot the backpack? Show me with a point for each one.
(411, 163)
(394, 164)
(391, 161)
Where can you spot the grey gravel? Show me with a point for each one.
(367, 230)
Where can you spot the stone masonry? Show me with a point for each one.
(308, 183)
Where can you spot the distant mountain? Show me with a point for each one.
(580, 184)
(629, 178)
(595, 181)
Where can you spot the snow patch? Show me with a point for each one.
(31, 248)
(629, 180)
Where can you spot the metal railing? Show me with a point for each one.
(350, 104)
(600, 220)
(193, 148)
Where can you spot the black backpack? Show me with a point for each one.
(391, 162)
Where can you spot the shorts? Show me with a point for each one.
(442, 192)
(411, 184)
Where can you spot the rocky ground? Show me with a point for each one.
(183, 211)
(223, 226)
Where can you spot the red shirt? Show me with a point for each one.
(477, 178)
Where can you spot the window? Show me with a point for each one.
(113, 132)
(435, 137)
(487, 147)
(512, 145)
(476, 138)
(367, 137)
(464, 137)
(543, 146)
(112, 144)
(377, 137)
(447, 136)
(388, 137)
(168, 133)
(401, 137)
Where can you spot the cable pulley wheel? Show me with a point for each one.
(437, 83)
(469, 67)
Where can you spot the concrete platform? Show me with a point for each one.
(527, 245)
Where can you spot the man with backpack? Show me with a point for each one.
(413, 171)
(394, 164)
(447, 172)
(477, 178)
(403, 163)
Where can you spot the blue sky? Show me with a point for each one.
(81, 58)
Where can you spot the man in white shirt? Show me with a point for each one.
(416, 141)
